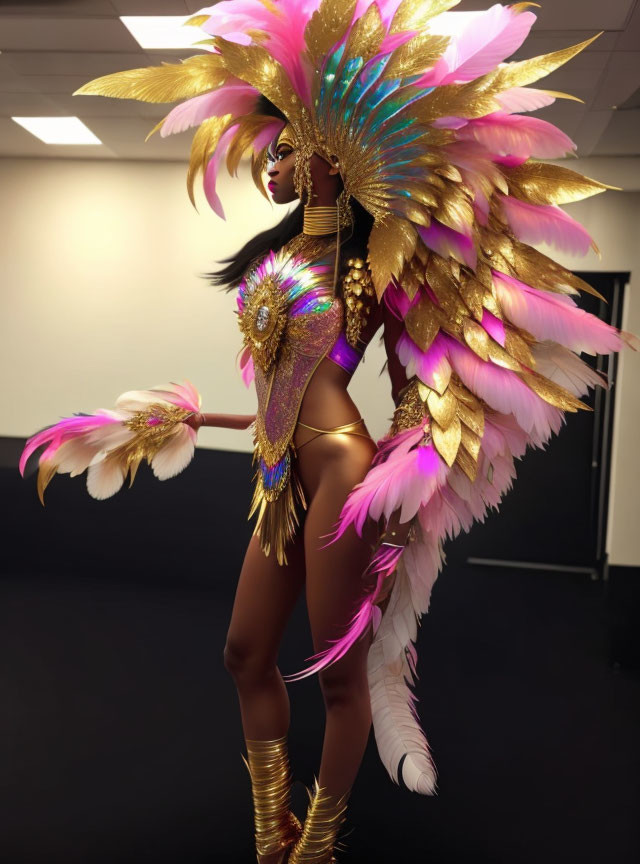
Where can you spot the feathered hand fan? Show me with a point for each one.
(145, 424)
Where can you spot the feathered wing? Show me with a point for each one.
(110, 444)
(491, 333)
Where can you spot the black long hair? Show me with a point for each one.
(274, 238)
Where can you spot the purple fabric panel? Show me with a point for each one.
(344, 354)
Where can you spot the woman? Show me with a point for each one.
(328, 464)
(420, 190)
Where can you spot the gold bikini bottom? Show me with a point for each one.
(353, 428)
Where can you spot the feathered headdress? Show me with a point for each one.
(424, 126)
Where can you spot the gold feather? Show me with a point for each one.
(196, 21)
(391, 243)
(249, 127)
(254, 64)
(327, 25)
(423, 323)
(416, 56)
(169, 82)
(528, 71)
(542, 183)
(365, 37)
(414, 14)
(203, 145)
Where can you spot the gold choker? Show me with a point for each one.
(320, 220)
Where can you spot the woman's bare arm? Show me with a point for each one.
(397, 532)
(223, 421)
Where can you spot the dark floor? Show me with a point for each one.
(120, 729)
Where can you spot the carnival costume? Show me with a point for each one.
(428, 134)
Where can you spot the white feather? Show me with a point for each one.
(174, 456)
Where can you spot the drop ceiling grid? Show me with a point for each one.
(49, 52)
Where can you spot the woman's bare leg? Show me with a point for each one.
(265, 597)
(333, 465)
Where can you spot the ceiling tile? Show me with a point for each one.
(66, 8)
(622, 135)
(89, 64)
(100, 106)
(590, 130)
(572, 14)
(152, 7)
(620, 80)
(34, 33)
(27, 105)
(126, 137)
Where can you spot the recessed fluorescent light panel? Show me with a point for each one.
(162, 31)
(167, 31)
(58, 130)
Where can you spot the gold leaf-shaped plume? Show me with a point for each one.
(416, 56)
(476, 338)
(472, 292)
(248, 128)
(327, 25)
(525, 72)
(455, 210)
(443, 408)
(446, 288)
(423, 323)
(500, 357)
(196, 21)
(254, 64)
(473, 418)
(365, 37)
(447, 441)
(420, 194)
(169, 82)
(470, 441)
(460, 100)
(517, 347)
(552, 393)
(464, 396)
(391, 243)
(535, 268)
(467, 464)
(414, 14)
(543, 183)
(412, 210)
(203, 144)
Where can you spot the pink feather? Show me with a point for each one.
(449, 244)
(213, 166)
(503, 390)
(524, 99)
(545, 224)
(554, 316)
(245, 364)
(482, 43)
(236, 99)
(431, 366)
(505, 134)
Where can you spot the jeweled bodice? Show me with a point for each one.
(289, 317)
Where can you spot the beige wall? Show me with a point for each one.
(101, 294)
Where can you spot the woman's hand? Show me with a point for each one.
(194, 420)
(398, 533)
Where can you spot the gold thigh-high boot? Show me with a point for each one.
(321, 826)
(276, 826)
